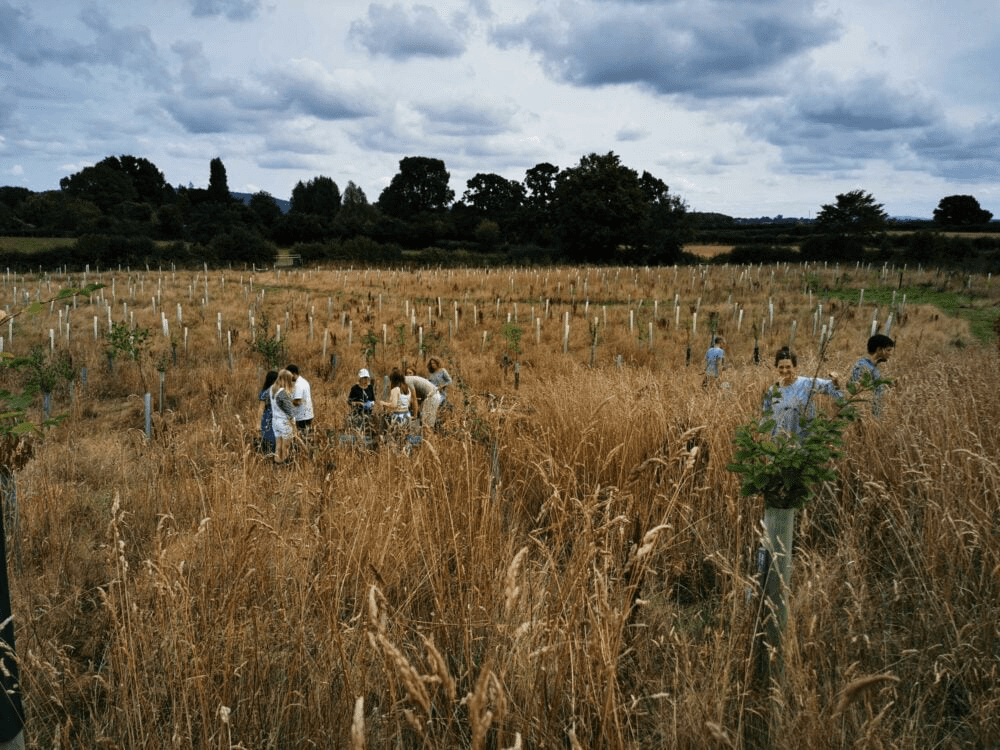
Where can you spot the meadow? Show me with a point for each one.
(566, 563)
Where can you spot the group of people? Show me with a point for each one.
(288, 409)
(789, 401)
(411, 396)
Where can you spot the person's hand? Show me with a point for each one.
(835, 378)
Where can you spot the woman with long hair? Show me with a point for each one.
(398, 405)
(266, 428)
(439, 377)
(282, 415)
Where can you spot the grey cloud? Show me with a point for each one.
(962, 154)
(717, 48)
(867, 104)
(234, 10)
(311, 89)
(481, 8)
(828, 125)
(208, 103)
(400, 35)
(34, 44)
(202, 115)
(285, 161)
(632, 132)
(129, 49)
(467, 118)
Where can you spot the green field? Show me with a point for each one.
(968, 305)
(32, 244)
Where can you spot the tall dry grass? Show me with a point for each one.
(565, 564)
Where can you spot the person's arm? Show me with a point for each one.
(357, 396)
(830, 387)
(445, 379)
(393, 400)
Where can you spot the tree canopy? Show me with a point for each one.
(855, 214)
(420, 186)
(319, 196)
(960, 210)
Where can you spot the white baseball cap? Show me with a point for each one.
(363, 373)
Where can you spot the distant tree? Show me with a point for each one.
(59, 213)
(356, 216)
(104, 184)
(667, 227)
(13, 197)
(265, 209)
(540, 183)
(420, 186)
(218, 183)
(319, 196)
(855, 214)
(960, 210)
(149, 183)
(353, 196)
(169, 222)
(599, 207)
(536, 217)
(495, 199)
(296, 226)
(241, 245)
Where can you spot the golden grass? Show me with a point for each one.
(567, 563)
(708, 251)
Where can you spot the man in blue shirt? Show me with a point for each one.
(715, 360)
(880, 347)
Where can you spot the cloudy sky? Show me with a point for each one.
(745, 107)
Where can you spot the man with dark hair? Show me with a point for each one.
(866, 369)
(301, 402)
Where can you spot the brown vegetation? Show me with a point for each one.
(564, 564)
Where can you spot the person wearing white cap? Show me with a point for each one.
(361, 399)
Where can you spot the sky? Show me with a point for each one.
(743, 107)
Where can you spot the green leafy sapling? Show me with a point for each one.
(787, 469)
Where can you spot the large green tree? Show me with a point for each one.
(667, 226)
(844, 228)
(104, 184)
(855, 214)
(356, 216)
(599, 209)
(319, 196)
(420, 186)
(960, 210)
(218, 182)
(496, 199)
(537, 220)
(114, 181)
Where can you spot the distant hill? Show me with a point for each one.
(285, 206)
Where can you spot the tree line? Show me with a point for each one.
(122, 210)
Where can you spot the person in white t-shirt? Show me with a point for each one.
(301, 401)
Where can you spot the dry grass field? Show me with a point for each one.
(567, 563)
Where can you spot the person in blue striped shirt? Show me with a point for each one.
(880, 347)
